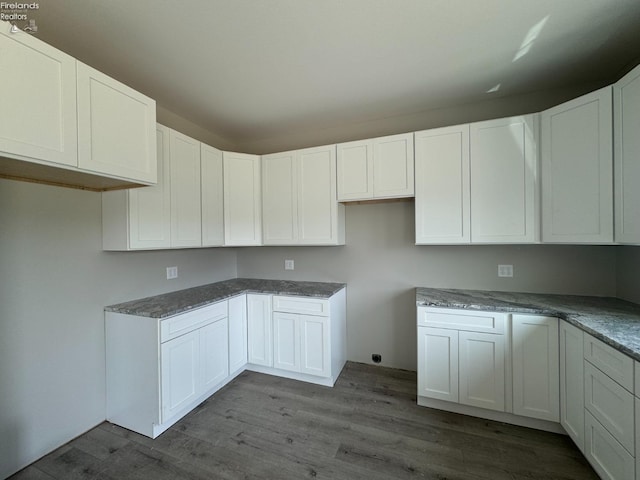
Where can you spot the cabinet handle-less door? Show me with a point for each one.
(180, 373)
(315, 351)
(572, 382)
(438, 363)
(286, 341)
(214, 353)
(482, 370)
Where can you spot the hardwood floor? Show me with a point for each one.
(367, 427)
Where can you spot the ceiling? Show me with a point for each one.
(251, 70)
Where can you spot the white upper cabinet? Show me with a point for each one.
(42, 82)
(442, 185)
(116, 128)
(242, 199)
(184, 164)
(504, 180)
(626, 107)
(376, 168)
(140, 218)
(299, 198)
(212, 196)
(577, 170)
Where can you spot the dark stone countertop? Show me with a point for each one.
(174, 303)
(614, 321)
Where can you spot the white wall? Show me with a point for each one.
(381, 266)
(55, 282)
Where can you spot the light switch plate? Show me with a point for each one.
(505, 270)
(288, 265)
(172, 272)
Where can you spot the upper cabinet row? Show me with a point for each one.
(66, 123)
(208, 198)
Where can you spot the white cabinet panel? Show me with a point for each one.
(286, 341)
(214, 354)
(438, 363)
(626, 108)
(355, 170)
(577, 170)
(504, 180)
(442, 185)
(482, 370)
(280, 198)
(470, 320)
(610, 404)
(393, 169)
(180, 373)
(535, 367)
(608, 458)
(212, 196)
(186, 221)
(613, 363)
(242, 199)
(42, 85)
(315, 345)
(116, 128)
(237, 333)
(320, 217)
(259, 330)
(572, 382)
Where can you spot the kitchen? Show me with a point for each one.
(58, 280)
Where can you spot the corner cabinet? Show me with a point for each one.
(577, 170)
(376, 168)
(299, 205)
(242, 199)
(626, 108)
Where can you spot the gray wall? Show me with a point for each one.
(628, 280)
(382, 266)
(55, 282)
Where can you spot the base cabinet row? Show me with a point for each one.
(160, 369)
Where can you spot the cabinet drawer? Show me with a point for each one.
(610, 404)
(301, 305)
(180, 324)
(615, 364)
(605, 454)
(470, 321)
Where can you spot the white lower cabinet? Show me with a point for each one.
(160, 369)
(481, 370)
(536, 368)
(605, 454)
(303, 338)
(572, 382)
(438, 346)
(237, 333)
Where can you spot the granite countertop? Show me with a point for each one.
(614, 321)
(174, 303)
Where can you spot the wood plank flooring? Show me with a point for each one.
(367, 427)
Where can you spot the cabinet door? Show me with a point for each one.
(572, 382)
(116, 128)
(212, 196)
(577, 170)
(393, 166)
(504, 180)
(186, 222)
(150, 207)
(237, 333)
(279, 199)
(242, 199)
(42, 85)
(318, 221)
(180, 376)
(626, 96)
(442, 185)
(535, 367)
(315, 351)
(481, 370)
(355, 170)
(214, 354)
(286, 341)
(259, 328)
(605, 454)
(438, 363)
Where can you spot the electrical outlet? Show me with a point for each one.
(376, 357)
(172, 272)
(505, 270)
(288, 265)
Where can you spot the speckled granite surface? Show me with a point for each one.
(173, 303)
(615, 322)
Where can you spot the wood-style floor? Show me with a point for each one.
(367, 427)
